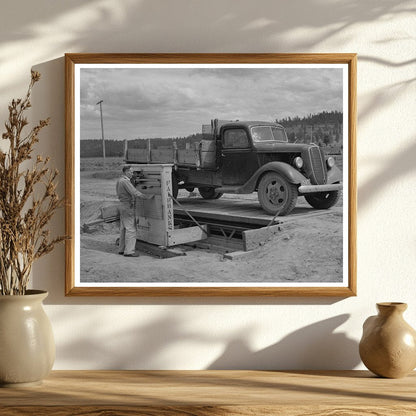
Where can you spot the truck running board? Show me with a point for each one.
(229, 189)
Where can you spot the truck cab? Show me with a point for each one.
(241, 144)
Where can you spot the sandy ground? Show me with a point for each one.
(307, 250)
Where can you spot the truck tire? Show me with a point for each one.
(276, 194)
(209, 193)
(323, 200)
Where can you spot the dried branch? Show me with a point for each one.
(24, 217)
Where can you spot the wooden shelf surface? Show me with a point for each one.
(203, 393)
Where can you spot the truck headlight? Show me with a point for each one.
(330, 162)
(298, 162)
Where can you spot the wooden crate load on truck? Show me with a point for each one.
(200, 154)
(197, 154)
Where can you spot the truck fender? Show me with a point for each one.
(334, 175)
(286, 170)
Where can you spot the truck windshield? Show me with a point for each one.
(268, 133)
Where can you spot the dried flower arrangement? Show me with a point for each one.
(28, 199)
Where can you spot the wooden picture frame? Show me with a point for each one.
(76, 64)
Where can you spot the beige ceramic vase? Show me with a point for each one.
(388, 345)
(27, 347)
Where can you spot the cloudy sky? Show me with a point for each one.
(174, 102)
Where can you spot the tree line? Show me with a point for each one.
(324, 129)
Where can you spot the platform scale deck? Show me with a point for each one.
(239, 224)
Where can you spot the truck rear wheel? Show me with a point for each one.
(175, 186)
(209, 193)
(276, 194)
(323, 200)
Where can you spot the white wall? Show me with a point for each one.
(199, 333)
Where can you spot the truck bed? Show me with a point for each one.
(199, 155)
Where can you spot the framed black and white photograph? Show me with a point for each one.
(211, 174)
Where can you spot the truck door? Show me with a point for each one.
(238, 158)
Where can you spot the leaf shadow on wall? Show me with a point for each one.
(391, 170)
(225, 25)
(78, 26)
(148, 344)
(151, 345)
(401, 163)
(316, 346)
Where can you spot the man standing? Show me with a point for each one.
(127, 193)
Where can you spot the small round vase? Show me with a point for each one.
(388, 345)
(27, 347)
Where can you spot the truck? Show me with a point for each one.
(242, 157)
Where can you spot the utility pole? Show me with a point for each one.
(102, 127)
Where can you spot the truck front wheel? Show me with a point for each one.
(276, 194)
(323, 200)
(209, 193)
